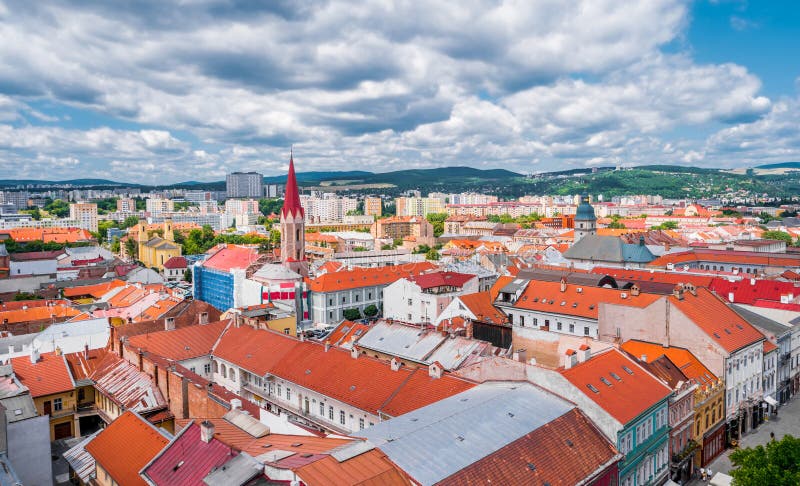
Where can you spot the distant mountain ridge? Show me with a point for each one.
(781, 165)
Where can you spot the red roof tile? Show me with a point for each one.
(188, 459)
(441, 279)
(480, 304)
(748, 291)
(366, 383)
(548, 297)
(232, 256)
(567, 450)
(181, 344)
(625, 398)
(362, 277)
(50, 375)
(175, 262)
(370, 468)
(728, 256)
(717, 319)
(96, 290)
(57, 312)
(128, 429)
(682, 358)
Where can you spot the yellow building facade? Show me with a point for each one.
(153, 252)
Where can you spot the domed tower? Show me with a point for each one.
(585, 220)
(293, 227)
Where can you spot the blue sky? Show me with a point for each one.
(162, 92)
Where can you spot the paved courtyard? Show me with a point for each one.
(786, 422)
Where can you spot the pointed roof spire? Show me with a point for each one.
(291, 199)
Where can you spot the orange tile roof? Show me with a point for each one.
(96, 290)
(240, 440)
(501, 282)
(366, 383)
(180, 344)
(480, 304)
(59, 312)
(566, 450)
(547, 297)
(118, 436)
(49, 235)
(48, 376)
(683, 359)
(82, 364)
(728, 256)
(768, 347)
(624, 399)
(717, 319)
(232, 256)
(362, 277)
(345, 331)
(370, 468)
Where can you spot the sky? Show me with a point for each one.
(160, 92)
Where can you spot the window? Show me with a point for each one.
(286, 330)
(585, 331)
(511, 318)
(321, 409)
(361, 424)
(330, 315)
(57, 404)
(522, 321)
(288, 393)
(279, 390)
(344, 299)
(192, 369)
(558, 326)
(369, 295)
(341, 417)
(535, 321)
(207, 368)
(572, 328)
(330, 413)
(357, 296)
(233, 375)
(330, 301)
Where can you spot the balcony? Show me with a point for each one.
(54, 414)
(785, 358)
(686, 453)
(256, 390)
(86, 409)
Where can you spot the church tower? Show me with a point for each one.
(585, 219)
(293, 227)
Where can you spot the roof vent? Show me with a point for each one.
(531, 466)
(579, 290)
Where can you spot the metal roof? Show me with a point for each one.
(235, 472)
(439, 440)
(81, 461)
(18, 408)
(762, 322)
(401, 340)
(247, 423)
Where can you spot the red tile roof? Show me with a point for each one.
(682, 358)
(83, 364)
(728, 256)
(175, 262)
(567, 450)
(37, 255)
(363, 277)
(548, 297)
(50, 375)
(347, 331)
(128, 429)
(366, 383)
(748, 291)
(181, 344)
(624, 399)
(96, 290)
(480, 304)
(717, 319)
(370, 468)
(768, 347)
(57, 312)
(188, 459)
(49, 235)
(232, 256)
(441, 279)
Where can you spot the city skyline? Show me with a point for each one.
(167, 93)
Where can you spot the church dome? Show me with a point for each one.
(585, 211)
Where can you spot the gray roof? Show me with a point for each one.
(401, 340)
(235, 472)
(577, 278)
(436, 441)
(275, 271)
(8, 477)
(80, 460)
(608, 249)
(19, 407)
(762, 322)
(14, 344)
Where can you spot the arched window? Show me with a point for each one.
(233, 375)
(224, 371)
(216, 366)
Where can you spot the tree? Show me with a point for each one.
(777, 235)
(437, 221)
(130, 222)
(432, 254)
(387, 247)
(616, 225)
(115, 246)
(352, 314)
(57, 208)
(371, 310)
(270, 206)
(187, 275)
(776, 464)
(132, 248)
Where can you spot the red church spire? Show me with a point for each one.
(291, 199)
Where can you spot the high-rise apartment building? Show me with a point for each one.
(17, 199)
(241, 206)
(327, 207)
(373, 206)
(419, 206)
(157, 205)
(245, 184)
(126, 205)
(85, 214)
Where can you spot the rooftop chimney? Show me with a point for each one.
(435, 370)
(236, 404)
(169, 324)
(85, 351)
(584, 353)
(571, 359)
(327, 345)
(395, 364)
(635, 290)
(206, 431)
(35, 355)
(354, 353)
(563, 284)
(643, 358)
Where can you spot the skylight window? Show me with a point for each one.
(605, 381)
(615, 376)
(593, 388)
(627, 370)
